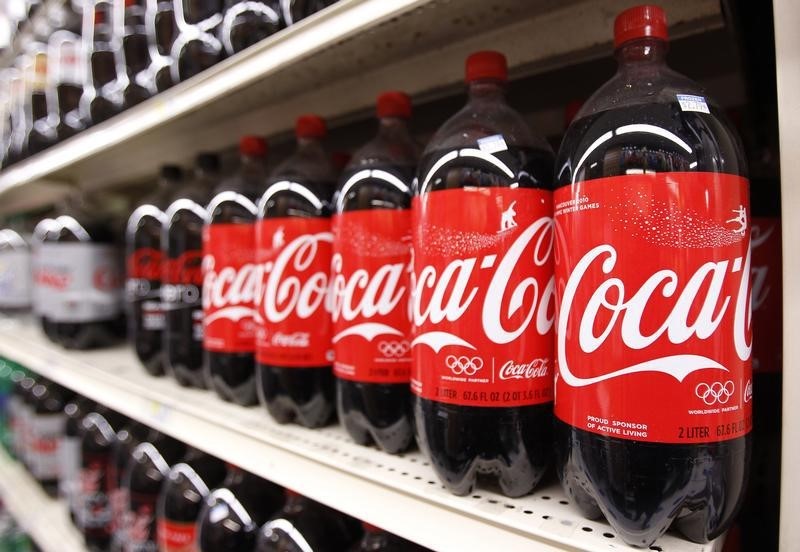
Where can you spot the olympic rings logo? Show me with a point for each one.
(463, 364)
(714, 393)
(393, 349)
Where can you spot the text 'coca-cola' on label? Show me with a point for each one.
(293, 309)
(369, 293)
(483, 297)
(653, 340)
(230, 281)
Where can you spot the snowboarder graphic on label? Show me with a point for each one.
(507, 218)
(278, 238)
(740, 219)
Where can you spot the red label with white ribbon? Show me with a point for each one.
(176, 536)
(230, 281)
(767, 295)
(369, 295)
(653, 339)
(483, 297)
(293, 311)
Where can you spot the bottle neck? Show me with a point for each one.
(391, 127)
(642, 53)
(487, 90)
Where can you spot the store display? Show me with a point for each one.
(69, 454)
(293, 248)
(677, 188)
(483, 348)
(182, 277)
(46, 430)
(370, 283)
(145, 266)
(230, 278)
(129, 436)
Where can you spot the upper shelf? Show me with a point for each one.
(333, 63)
(399, 493)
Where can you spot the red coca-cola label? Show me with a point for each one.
(483, 300)
(176, 536)
(184, 269)
(766, 273)
(369, 295)
(230, 280)
(145, 263)
(653, 339)
(293, 311)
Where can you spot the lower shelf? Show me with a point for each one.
(45, 519)
(398, 493)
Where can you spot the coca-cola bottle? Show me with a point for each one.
(162, 29)
(230, 278)
(232, 514)
(94, 511)
(69, 453)
(17, 117)
(653, 388)
(295, 10)
(14, 411)
(106, 74)
(182, 277)
(81, 266)
(144, 271)
(15, 272)
(197, 47)
(482, 292)
(370, 283)
(41, 133)
(293, 245)
(146, 473)
(378, 540)
(47, 426)
(45, 230)
(136, 51)
(305, 524)
(246, 22)
(66, 76)
(22, 423)
(129, 436)
(182, 496)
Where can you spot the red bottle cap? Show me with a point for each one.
(640, 22)
(253, 146)
(486, 65)
(394, 104)
(310, 126)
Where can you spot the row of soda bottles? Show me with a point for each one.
(131, 488)
(108, 55)
(616, 278)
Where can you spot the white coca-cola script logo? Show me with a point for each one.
(382, 293)
(611, 300)
(289, 288)
(537, 368)
(451, 294)
(758, 237)
(227, 293)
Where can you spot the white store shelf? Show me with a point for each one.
(333, 63)
(45, 519)
(398, 493)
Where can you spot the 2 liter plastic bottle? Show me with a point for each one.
(182, 277)
(654, 389)
(370, 283)
(230, 278)
(294, 245)
(483, 302)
